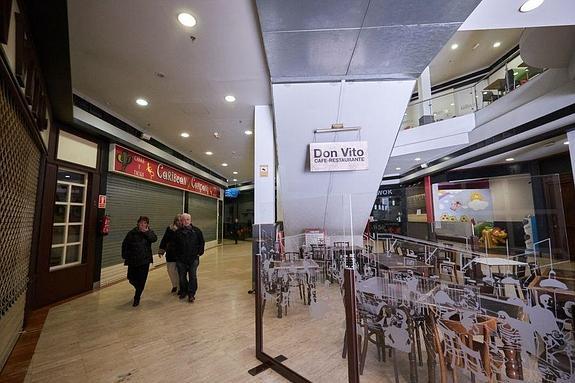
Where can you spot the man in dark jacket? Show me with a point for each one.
(137, 255)
(189, 246)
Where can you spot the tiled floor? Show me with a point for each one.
(100, 337)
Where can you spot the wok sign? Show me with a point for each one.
(338, 156)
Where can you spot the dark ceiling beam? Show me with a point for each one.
(48, 22)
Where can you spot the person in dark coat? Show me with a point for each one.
(137, 255)
(189, 247)
(167, 246)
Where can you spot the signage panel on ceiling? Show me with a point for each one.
(338, 156)
(133, 164)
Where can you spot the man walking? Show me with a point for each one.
(137, 255)
(189, 246)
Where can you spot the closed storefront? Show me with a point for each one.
(128, 199)
(139, 186)
(204, 211)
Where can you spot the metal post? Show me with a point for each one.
(351, 331)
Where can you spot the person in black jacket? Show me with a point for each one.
(167, 246)
(189, 247)
(137, 255)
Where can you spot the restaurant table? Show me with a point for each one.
(395, 262)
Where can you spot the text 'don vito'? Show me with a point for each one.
(338, 156)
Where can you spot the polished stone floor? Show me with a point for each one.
(100, 337)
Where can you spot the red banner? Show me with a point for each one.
(136, 165)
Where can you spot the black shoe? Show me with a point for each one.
(182, 296)
(174, 289)
(191, 299)
(136, 302)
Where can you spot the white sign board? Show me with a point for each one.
(338, 156)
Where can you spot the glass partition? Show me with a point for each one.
(512, 74)
(469, 303)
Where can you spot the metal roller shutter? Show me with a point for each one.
(127, 199)
(204, 211)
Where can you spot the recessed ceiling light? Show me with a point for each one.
(186, 19)
(235, 179)
(452, 104)
(235, 172)
(397, 168)
(454, 46)
(230, 98)
(510, 159)
(566, 143)
(142, 102)
(209, 153)
(417, 159)
(224, 164)
(530, 5)
(185, 134)
(67, 176)
(248, 132)
(496, 44)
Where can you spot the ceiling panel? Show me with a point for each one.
(411, 12)
(398, 50)
(308, 54)
(282, 15)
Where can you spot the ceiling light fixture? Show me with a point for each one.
(397, 168)
(417, 159)
(209, 153)
(224, 164)
(530, 5)
(230, 98)
(454, 46)
(248, 132)
(475, 46)
(235, 172)
(142, 102)
(497, 44)
(566, 143)
(185, 134)
(452, 104)
(510, 159)
(186, 19)
(235, 180)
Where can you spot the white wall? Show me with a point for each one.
(322, 199)
(512, 198)
(264, 154)
(77, 150)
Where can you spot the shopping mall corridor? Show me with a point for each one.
(100, 337)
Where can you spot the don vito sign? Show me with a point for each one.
(136, 165)
(338, 156)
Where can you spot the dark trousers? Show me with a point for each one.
(185, 269)
(137, 275)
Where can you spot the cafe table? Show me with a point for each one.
(300, 272)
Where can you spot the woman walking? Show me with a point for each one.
(167, 247)
(137, 255)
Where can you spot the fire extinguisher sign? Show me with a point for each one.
(101, 201)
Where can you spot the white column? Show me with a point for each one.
(571, 139)
(424, 93)
(264, 159)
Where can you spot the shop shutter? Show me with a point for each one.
(127, 199)
(204, 211)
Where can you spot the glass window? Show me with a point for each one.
(56, 256)
(58, 233)
(60, 213)
(61, 193)
(77, 194)
(74, 232)
(72, 177)
(68, 227)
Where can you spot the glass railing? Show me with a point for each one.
(512, 74)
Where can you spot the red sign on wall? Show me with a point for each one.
(136, 165)
(101, 201)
